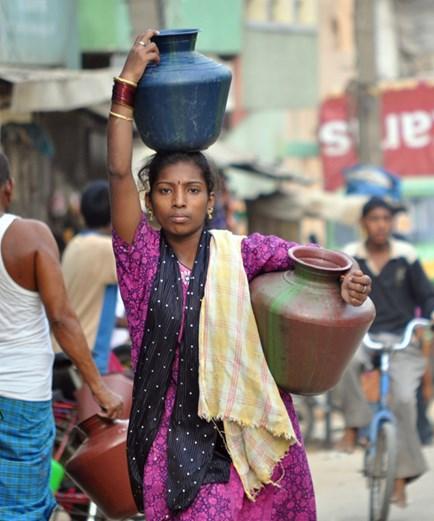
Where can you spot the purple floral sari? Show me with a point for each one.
(294, 498)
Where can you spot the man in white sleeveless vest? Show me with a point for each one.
(32, 291)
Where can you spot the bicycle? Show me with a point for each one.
(381, 451)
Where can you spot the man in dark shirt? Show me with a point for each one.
(399, 286)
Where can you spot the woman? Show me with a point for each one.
(210, 436)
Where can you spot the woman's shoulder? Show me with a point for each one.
(254, 244)
(258, 241)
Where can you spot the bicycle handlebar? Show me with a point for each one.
(372, 344)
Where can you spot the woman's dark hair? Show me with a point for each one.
(95, 204)
(149, 173)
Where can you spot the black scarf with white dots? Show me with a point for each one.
(196, 452)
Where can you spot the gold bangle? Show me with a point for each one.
(120, 116)
(123, 80)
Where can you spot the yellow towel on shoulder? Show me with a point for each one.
(235, 383)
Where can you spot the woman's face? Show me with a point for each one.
(180, 199)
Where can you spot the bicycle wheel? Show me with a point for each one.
(382, 472)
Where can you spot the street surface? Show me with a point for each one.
(342, 494)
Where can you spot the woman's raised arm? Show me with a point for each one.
(126, 210)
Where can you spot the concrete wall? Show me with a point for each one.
(336, 48)
(39, 33)
(279, 68)
(220, 22)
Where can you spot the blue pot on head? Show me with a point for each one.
(180, 103)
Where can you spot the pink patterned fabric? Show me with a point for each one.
(294, 499)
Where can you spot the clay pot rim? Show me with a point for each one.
(321, 253)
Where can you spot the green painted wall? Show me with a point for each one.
(279, 68)
(220, 22)
(415, 186)
(104, 26)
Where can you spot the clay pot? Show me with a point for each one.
(99, 467)
(308, 333)
(116, 382)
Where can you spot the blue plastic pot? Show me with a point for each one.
(180, 103)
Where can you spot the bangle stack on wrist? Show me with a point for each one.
(124, 92)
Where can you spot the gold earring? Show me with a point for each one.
(150, 215)
(210, 212)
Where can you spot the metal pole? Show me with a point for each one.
(367, 96)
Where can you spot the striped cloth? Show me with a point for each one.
(26, 443)
(235, 383)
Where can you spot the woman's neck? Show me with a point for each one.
(185, 247)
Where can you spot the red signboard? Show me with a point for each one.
(408, 134)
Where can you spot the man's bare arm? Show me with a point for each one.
(64, 322)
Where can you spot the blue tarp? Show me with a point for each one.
(372, 181)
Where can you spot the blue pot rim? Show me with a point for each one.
(176, 32)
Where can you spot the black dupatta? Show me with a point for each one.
(196, 453)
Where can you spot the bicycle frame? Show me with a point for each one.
(382, 419)
(381, 453)
(383, 413)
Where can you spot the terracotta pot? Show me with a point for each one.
(308, 333)
(99, 467)
(118, 383)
